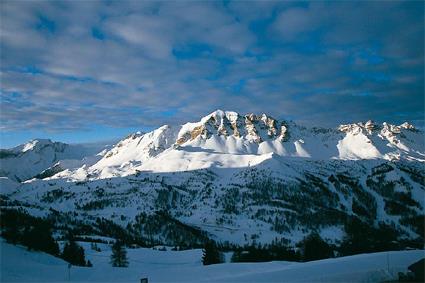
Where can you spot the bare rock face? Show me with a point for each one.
(236, 132)
(357, 128)
(254, 128)
(407, 126)
(270, 124)
(252, 132)
(284, 135)
(184, 138)
(390, 130)
(197, 131)
(351, 128)
(251, 127)
(392, 133)
(233, 122)
(369, 126)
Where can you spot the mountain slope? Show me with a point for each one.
(243, 180)
(277, 198)
(28, 160)
(227, 139)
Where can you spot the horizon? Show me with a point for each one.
(80, 72)
(121, 133)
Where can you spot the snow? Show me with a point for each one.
(226, 139)
(20, 265)
(32, 158)
(32, 144)
(132, 151)
(352, 142)
(333, 233)
(7, 186)
(300, 151)
(357, 146)
(136, 168)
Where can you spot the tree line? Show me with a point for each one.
(18, 227)
(35, 233)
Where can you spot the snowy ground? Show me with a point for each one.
(20, 265)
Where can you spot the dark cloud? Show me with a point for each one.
(68, 65)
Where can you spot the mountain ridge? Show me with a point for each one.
(241, 189)
(30, 159)
(227, 132)
(245, 139)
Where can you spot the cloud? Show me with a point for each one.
(293, 22)
(69, 65)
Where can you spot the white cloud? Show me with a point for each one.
(132, 75)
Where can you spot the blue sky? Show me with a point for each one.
(97, 70)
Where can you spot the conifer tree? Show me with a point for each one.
(211, 254)
(314, 248)
(73, 253)
(119, 255)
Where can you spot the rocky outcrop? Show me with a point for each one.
(369, 126)
(253, 128)
(407, 126)
(284, 134)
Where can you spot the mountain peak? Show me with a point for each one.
(407, 125)
(35, 144)
(255, 128)
(231, 139)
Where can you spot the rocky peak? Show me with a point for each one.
(390, 131)
(357, 128)
(369, 126)
(252, 132)
(270, 123)
(284, 135)
(38, 145)
(354, 128)
(407, 125)
(252, 127)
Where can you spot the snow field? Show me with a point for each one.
(20, 265)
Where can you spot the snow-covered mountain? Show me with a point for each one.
(31, 159)
(228, 140)
(243, 179)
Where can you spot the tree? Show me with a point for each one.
(39, 237)
(363, 238)
(211, 254)
(11, 233)
(33, 232)
(314, 248)
(119, 255)
(73, 253)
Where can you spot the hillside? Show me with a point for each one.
(228, 139)
(244, 180)
(43, 157)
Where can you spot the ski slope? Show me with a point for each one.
(20, 265)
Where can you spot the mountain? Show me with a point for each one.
(227, 139)
(33, 158)
(243, 180)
